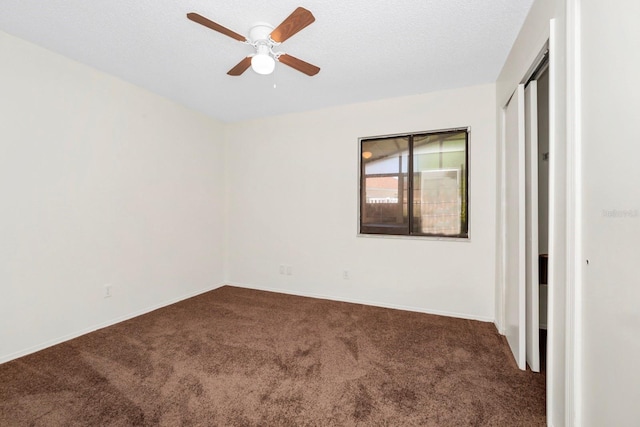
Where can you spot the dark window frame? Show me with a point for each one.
(408, 230)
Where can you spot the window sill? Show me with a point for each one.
(406, 237)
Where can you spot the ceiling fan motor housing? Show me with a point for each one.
(260, 32)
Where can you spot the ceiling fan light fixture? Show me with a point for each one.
(263, 63)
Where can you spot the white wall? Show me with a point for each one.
(530, 42)
(293, 200)
(100, 182)
(611, 212)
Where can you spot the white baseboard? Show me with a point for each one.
(363, 302)
(49, 343)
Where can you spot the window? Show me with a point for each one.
(415, 184)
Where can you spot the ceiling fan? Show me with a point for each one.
(264, 38)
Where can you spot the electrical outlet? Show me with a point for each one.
(289, 270)
(282, 271)
(107, 291)
(346, 275)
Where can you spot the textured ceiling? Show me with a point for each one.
(366, 49)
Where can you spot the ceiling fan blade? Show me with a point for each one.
(299, 19)
(241, 67)
(299, 64)
(215, 26)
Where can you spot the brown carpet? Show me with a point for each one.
(238, 357)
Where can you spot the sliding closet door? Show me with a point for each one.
(532, 252)
(514, 223)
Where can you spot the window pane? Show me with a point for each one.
(439, 184)
(415, 184)
(383, 202)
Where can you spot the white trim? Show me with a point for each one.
(552, 325)
(111, 322)
(573, 363)
(522, 234)
(361, 301)
(501, 253)
(540, 64)
(414, 237)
